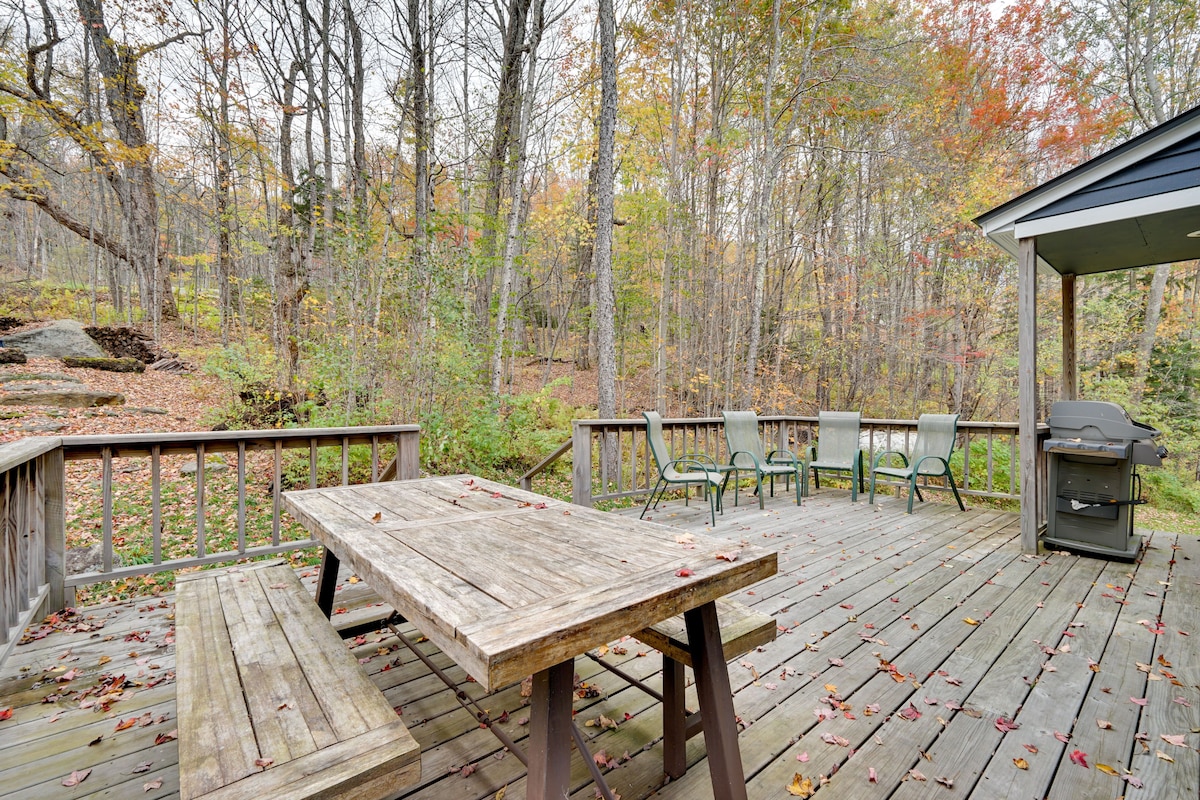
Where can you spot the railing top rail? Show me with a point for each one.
(641, 423)
(82, 447)
(14, 454)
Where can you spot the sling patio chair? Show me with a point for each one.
(837, 450)
(690, 469)
(746, 455)
(930, 457)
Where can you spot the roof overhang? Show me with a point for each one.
(1118, 235)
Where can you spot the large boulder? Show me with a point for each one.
(65, 337)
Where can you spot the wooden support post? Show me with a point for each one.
(581, 457)
(53, 477)
(408, 456)
(550, 732)
(716, 703)
(674, 719)
(1070, 376)
(1027, 390)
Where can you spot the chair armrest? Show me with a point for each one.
(703, 458)
(705, 468)
(810, 453)
(782, 457)
(733, 458)
(945, 464)
(881, 456)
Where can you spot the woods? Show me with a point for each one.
(694, 205)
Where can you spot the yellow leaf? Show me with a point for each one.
(1020, 763)
(503, 791)
(970, 621)
(1107, 770)
(831, 688)
(1164, 756)
(800, 786)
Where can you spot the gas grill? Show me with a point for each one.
(1093, 449)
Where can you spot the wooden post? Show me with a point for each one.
(581, 471)
(1027, 390)
(408, 456)
(1070, 376)
(53, 475)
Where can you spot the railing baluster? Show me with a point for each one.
(106, 553)
(312, 463)
(241, 512)
(374, 459)
(345, 461)
(276, 488)
(200, 541)
(156, 502)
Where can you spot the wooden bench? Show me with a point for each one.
(271, 703)
(742, 630)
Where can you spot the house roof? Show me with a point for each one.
(1132, 206)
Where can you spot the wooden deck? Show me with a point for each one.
(918, 656)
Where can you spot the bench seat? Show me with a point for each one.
(271, 702)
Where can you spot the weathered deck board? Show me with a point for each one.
(857, 583)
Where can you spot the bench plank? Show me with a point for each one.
(263, 676)
(742, 630)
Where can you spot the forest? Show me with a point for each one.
(446, 211)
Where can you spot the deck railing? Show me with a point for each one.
(985, 458)
(156, 502)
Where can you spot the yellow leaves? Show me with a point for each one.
(1107, 770)
(1020, 763)
(970, 621)
(800, 786)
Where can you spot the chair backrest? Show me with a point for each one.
(935, 437)
(741, 436)
(654, 437)
(838, 436)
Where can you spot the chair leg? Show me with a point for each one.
(871, 497)
(855, 480)
(758, 489)
(797, 488)
(953, 488)
(913, 490)
(651, 499)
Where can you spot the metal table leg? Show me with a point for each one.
(716, 703)
(550, 732)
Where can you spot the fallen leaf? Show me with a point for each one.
(684, 573)
(1133, 781)
(1004, 725)
(263, 762)
(1107, 770)
(916, 775)
(1020, 763)
(910, 713)
(467, 770)
(1079, 757)
(1104, 725)
(1175, 739)
(142, 767)
(5, 713)
(1141, 701)
(127, 723)
(150, 786)
(970, 621)
(831, 688)
(731, 556)
(802, 757)
(1164, 756)
(836, 662)
(500, 794)
(833, 738)
(76, 777)
(377, 516)
(1062, 737)
(944, 781)
(1031, 748)
(800, 786)
(871, 776)
(166, 737)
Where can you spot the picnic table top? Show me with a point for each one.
(508, 582)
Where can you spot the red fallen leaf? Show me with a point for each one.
(5, 713)
(1140, 701)
(539, 506)
(847, 606)
(1031, 748)
(1004, 725)
(497, 495)
(684, 573)
(802, 757)
(836, 662)
(1180, 700)
(150, 786)
(731, 556)
(142, 767)
(128, 723)
(871, 776)
(1079, 757)
(166, 737)
(469, 768)
(69, 675)
(263, 762)
(910, 713)
(76, 777)
(1062, 737)
(1175, 739)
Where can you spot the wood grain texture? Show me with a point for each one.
(271, 703)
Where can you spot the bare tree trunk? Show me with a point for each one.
(606, 382)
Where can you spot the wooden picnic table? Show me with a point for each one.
(509, 583)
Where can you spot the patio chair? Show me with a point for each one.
(837, 450)
(746, 455)
(697, 469)
(930, 457)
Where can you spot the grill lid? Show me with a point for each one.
(1095, 421)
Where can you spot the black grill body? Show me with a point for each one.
(1094, 449)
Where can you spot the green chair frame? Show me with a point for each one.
(837, 450)
(746, 455)
(698, 470)
(930, 457)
